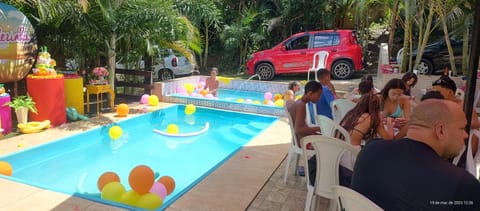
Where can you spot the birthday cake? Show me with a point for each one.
(45, 66)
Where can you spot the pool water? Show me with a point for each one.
(73, 165)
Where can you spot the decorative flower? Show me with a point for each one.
(100, 71)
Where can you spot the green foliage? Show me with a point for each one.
(23, 101)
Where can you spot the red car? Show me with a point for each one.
(295, 54)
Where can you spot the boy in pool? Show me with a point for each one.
(212, 83)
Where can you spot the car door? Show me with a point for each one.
(322, 42)
(292, 56)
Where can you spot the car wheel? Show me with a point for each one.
(265, 71)
(425, 67)
(342, 69)
(165, 75)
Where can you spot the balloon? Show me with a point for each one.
(209, 96)
(115, 132)
(6, 168)
(149, 201)
(141, 179)
(204, 92)
(144, 99)
(122, 110)
(267, 95)
(106, 178)
(168, 182)
(240, 100)
(280, 103)
(159, 189)
(257, 102)
(172, 129)
(190, 109)
(153, 100)
(113, 191)
(130, 198)
(277, 97)
(189, 87)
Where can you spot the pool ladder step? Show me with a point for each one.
(257, 126)
(244, 130)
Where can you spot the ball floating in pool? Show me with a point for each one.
(5, 168)
(190, 109)
(257, 102)
(159, 189)
(169, 183)
(280, 102)
(106, 178)
(122, 110)
(172, 129)
(141, 179)
(240, 100)
(149, 201)
(115, 132)
(113, 191)
(130, 197)
(144, 99)
(153, 100)
(268, 96)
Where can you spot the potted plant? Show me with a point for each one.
(21, 105)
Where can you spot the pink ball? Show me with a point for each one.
(267, 95)
(144, 99)
(159, 189)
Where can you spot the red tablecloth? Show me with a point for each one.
(49, 97)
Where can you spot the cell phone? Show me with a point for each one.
(301, 171)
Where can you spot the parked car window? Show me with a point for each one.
(298, 43)
(324, 40)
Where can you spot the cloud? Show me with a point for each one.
(16, 14)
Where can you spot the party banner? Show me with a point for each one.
(18, 44)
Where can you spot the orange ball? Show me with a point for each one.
(141, 179)
(6, 168)
(122, 110)
(106, 178)
(168, 182)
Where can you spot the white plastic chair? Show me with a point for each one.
(328, 152)
(351, 200)
(340, 107)
(460, 94)
(319, 62)
(294, 148)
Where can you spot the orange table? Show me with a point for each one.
(99, 90)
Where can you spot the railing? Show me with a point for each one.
(133, 83)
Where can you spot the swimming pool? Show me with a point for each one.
(73, 165)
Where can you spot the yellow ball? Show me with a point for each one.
(279, 103)
(115, 132)
(189, 87)
(130, 197)
(6, 168)
(256, 102)
(150, 201)
(240, 100)
(153, 100)
(172, 129)
(190, 109)
(113, 191)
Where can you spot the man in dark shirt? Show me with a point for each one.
(413, 173)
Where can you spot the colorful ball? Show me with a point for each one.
(159, 189)
(280, 102)
(240, 100)
(189, 87)
(169, 183)
(106, 178)
(115, 132)
(257, 102)
(152, 100)
(6, 168)
(149, 201)
(172, 129)
(268, 96)
(130, 198)
(277, 97)
(141, 179)
(122, 110)
(144, 99)
(190, 109)
(113, 191)
(204, 92)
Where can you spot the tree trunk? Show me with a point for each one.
(449, 45)
(393, 25)
(111, 58)
(425, 36)
(465, 49)
(406, 39)
(205, 55)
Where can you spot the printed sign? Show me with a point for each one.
(17, 44)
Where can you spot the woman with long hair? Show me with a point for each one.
(396, 104)
(364, 121)
(410, 79)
